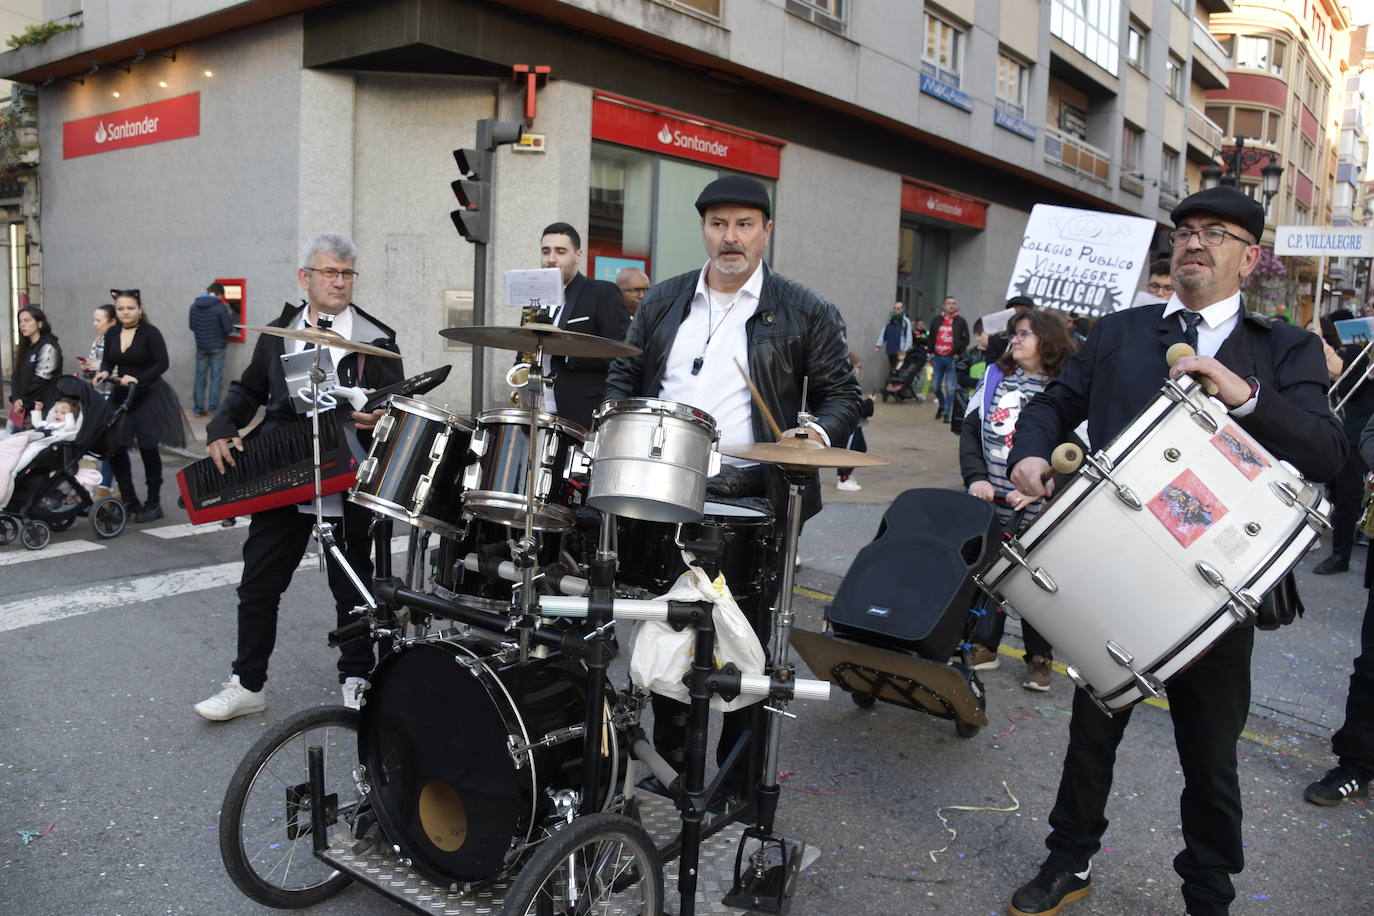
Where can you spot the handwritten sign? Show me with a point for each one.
(1081, 261)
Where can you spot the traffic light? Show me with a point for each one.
(473, 190)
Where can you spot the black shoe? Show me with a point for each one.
(1336, 786)
(1048, 892)
(132, 507)
(149, 513)
(1332, 564)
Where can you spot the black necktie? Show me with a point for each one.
(1191, 320)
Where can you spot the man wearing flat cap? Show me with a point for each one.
(1272, 378)
(692, 330)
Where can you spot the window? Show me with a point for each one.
(705, 7)
(1308, 156)
(1173, 77)
(1132, 139)
(1168, 172)
(828, 14)
(1259, 52)
(943, 55)
(1090, 27)
(1135, 46)
(1252, 123)
(1012, 76)
(1073, 120)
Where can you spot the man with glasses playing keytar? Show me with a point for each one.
(1272, 379)
(278, 538)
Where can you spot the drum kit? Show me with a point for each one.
(488, 769)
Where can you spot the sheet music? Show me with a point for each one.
(541, 288)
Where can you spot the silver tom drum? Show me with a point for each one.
(650, 459)
(497, 480)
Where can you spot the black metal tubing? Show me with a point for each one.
(314, 756)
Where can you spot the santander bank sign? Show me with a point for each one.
(157, 122)
(660, 130)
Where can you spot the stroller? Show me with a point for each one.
(47, 495)
(901, 383)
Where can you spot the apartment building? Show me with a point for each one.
(905, 143)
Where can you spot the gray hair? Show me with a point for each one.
(335, 244)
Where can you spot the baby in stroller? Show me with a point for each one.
(40, 473)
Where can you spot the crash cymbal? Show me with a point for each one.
(557, 341)
(322, 338)
(803, 453)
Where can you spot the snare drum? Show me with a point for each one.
(651, 559)
(497, 481)
(1162, 542)
(650, 459)
(463, 753)
(414, 470)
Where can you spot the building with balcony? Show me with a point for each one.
(18, 125)
(905, 143)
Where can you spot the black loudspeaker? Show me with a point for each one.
(912, 588)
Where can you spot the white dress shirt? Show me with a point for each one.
(1218, 321)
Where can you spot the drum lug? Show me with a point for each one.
(1291, 497)
(1173, 388)
(1243, 605)
(713, 463)
(1013, 552)
(1082, 684)
(368, 469)
(656, 440)
(382, 431)
(1099, 467)
(477, 444)
(1078, 679)
(360, 781)
(421, 494)
(439, 445)
(1147, 682)
(520, 753)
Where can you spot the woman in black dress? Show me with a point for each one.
(135, 354)
(37, 362)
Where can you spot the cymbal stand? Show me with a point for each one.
(525, 551)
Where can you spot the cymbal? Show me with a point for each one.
(323, 338)
(804, 453)
(557, 341)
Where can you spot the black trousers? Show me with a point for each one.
(1208, 703)
(1353, 744)
(1346, 492)
(277, 540)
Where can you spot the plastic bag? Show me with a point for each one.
(662, 656)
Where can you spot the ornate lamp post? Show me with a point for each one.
(1236, 160)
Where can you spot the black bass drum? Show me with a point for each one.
(445, 737)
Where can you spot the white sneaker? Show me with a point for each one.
(232, 701)
(353, 692)
(849, 486)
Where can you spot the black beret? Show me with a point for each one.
(1020, 302)
(735, 189)
(1227, 203)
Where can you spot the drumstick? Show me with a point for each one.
(1065, 459)
(758, 399)
(1180, 350)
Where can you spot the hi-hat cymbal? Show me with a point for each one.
(556, 340)
(803, 453)
(323, 338)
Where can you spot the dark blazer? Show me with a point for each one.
(579, 384)
(1121, 367)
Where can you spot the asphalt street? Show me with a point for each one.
(110, 786)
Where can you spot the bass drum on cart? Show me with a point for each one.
(447, 739)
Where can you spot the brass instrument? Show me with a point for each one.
(518, 376)
(1338, 407)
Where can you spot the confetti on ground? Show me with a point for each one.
(1025, 717)
(953, 834)
(785, 779)
(28, 836)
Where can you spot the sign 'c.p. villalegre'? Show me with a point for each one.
(1082, 261)
(156, 122)
(1334, 241)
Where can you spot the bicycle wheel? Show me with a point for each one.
(264, 824)
(601, 863)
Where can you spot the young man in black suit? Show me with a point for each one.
(1273, 380)
(590, 307)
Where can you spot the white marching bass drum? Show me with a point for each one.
(1160, 544)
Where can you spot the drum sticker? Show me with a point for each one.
(1233, 444)
(1187, 508)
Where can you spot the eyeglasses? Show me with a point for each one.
(1160, 287)
(1022, 334)
(333, 273)
(131, 293)
(637, 290)
(1210, 237)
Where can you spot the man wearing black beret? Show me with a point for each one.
(692, 330)
(1272, 378)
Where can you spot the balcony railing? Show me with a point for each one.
(1206, 130)
(1076, 155)
(1210, 46)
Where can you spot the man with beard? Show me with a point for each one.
(1272, 379)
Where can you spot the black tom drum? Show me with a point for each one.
(651, 559)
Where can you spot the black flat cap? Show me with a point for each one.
(1227, 203)
(735, 189)
(1024, 302)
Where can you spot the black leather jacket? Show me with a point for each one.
(793, 334)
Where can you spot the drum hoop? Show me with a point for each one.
(429, 412)
(747, 514)
(520, 416)
(659, 407)
(496, 499)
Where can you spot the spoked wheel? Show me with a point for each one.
(9, 529)
(264, 823)
(601, 863)
(35, 535)
(109, 517)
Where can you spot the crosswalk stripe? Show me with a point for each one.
(74, 603)
(186, 530)
(60, 549)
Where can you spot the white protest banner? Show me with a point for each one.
(1334, 241)
(1081, 260)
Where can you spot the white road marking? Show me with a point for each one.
(74, 603)
(188, 529)
(17, 553)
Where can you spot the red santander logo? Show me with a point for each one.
(697, 144)
(158, 122)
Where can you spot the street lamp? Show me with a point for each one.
(1239, 159)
